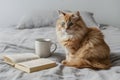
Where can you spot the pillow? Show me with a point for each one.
(39, 19)
(89, 19)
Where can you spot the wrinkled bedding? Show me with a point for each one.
(14, 41)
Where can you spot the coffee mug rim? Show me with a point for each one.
(43, 40)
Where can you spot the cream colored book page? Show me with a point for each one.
(36, 63)
(16, 58)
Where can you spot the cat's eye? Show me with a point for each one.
(63, 24)
(69, 23)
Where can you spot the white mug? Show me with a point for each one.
(43, 47)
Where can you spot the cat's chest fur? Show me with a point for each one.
(68, 40)
(64, 35)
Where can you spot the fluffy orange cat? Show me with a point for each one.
(85, 47)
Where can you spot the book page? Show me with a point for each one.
(16, 58)
(35, 65)
(36, 62)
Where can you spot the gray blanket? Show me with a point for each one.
(20, 41)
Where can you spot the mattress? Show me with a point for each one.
(14, 41)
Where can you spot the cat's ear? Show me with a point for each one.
(61, 13)
(78, 13)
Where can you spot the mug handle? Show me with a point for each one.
(54, 48)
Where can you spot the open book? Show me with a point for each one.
(28, 62)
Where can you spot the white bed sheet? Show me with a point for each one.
(20, 41)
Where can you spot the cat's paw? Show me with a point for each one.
(64, 62)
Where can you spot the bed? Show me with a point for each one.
(14, 40)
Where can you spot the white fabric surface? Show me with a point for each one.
(13, 40)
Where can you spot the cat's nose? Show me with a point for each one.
(67, 27)
(66, 30)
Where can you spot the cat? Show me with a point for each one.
(84, 46)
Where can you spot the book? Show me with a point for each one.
(28, 62)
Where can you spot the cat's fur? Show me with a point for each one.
(85, 47)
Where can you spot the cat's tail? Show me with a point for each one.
(101, 66)
(97, 65)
